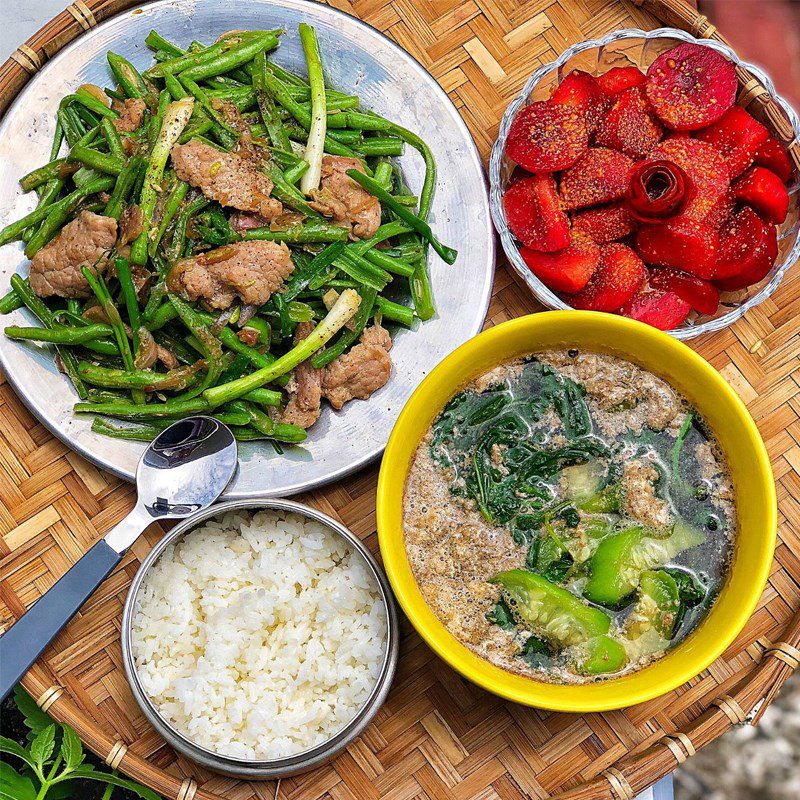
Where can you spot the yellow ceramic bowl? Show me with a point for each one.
(719, 405)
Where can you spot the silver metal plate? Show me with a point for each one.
(357, 59)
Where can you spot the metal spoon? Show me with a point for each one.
(185, 469)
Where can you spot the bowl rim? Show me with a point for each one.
(391, 483)
(507, 239)
(297, 762)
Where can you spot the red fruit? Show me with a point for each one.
(723, 208)
(599, 177)
(773, 155)
(547, 136)
(581, 91)
(691, 86)
(699, 294)
(617, 278)
(603, 225)
(662, 310)
(765, 192)
(747, 250)
(706, 169)
(680, 243)
(618, 79)
(737, 136)
(657, 190)
(534, 214)
(569, 269)
(629, 126)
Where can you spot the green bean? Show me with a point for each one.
(23, 289)
(155, 41)
(447, 254)
(179, 234)
(59, 334)
(54, 216)
(348, 335)
(127, 76)
(305, 233)
(140, 379)
(10, 302)
(384, 175)
(386, 231)
(58, 169)
(190, 60)
(94, 159)
(301, 278)
(266, 397)
(395, 311)
(293, 174)
(390, 264)
(210, 345)
(88, 100)
(124, 186)
(235, 57)
(288, 193)
(131, 300)
(170, 408)
(176, 117)
(269, 428)
(266, 106)
(226, 135)
(112, 137)
(171, 206)
(421, 293)
(362, 271)
(367, 122)
(381, 146)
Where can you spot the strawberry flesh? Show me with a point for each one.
(699, 294)
(599, 177)
(603, 225)
(681, 243)
(747, 250)
(534, 215)
(738, 137)
(568, 270)
(707, 171)
(618, 79)
(664, 310)
(765, 193)
(617, 278)
(691, 86)
(581, 91)
(774, 156)
(547, 136)
(629, 126)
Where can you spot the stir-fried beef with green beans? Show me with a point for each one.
(603, 522)
(219, 235)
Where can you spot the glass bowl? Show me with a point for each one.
(640, 48)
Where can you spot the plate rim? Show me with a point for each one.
(373, 455)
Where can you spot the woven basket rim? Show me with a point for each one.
(631, 773)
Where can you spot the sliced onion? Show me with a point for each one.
(148, 350)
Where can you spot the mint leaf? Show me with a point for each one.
(86, 772)
(501, 615)
(43, 745)
(14, 786)
(12, 748)
(71, 749)
(34, 718)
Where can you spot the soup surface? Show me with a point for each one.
(569, 517)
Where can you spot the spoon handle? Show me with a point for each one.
(24, 641)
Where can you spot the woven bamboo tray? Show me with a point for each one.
(437, 736)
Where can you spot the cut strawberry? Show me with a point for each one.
(547, 136)
(774, 156)
(662, 310)
(691, 86)
(599, 177)
(747, 250)
(765, 193)
(581, 91)
(617, 278)
(682, 243)
(737, 136)
(618, 79)
(706, 168)
(724, 208)
(699, 294)
(534, 214)
(629, 126)
(569, 269)
(603, 225)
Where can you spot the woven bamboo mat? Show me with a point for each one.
(437, 736)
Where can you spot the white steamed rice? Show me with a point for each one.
(259, 636)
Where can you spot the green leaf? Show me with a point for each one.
(11, 747)
(34, 718)
(86, 772)
(501, 615)
(71, 749)
(43, 745)
(535, 652)
(14, 786)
